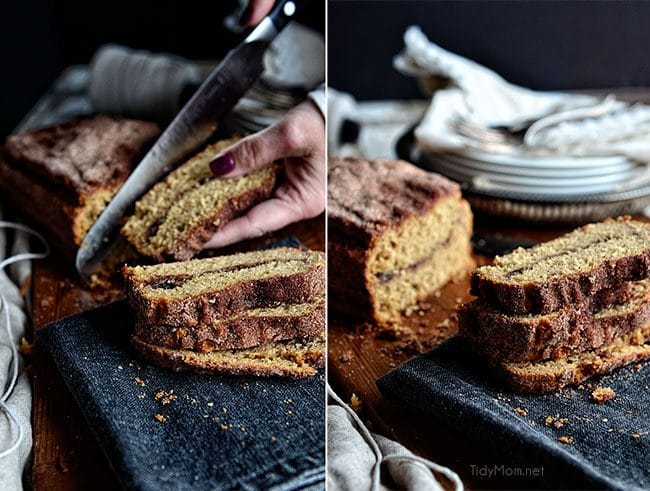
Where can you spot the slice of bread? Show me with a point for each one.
(566, 271)
(203, 291)
(294, 358)
(179, 214)
(521, 338)
(249, 328)
(552, 375)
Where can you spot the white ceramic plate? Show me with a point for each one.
(543, 162)
(534, 188)
(542, 172)
(566, 182)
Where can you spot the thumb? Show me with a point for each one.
(284, 139)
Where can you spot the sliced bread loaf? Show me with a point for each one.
(566, 271)
(294, 358)
(179, 214)
(396, 235)
(63, 176)
(522, 338)
(203, 291)
(552, 375)
(244, 330)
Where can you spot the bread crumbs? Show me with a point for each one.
(555, 421)
(567, 440)
(521, 412)
(139, 381)
(602, 394)
(355, 403)
(636, 436)
(160, 418)
(345, 357)
(25, 347)
(225, 426)
(165, 397)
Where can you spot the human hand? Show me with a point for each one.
(298, 140)
(256, 11)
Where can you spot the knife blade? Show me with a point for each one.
(191, 128)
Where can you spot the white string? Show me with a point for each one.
(4, 305)
(376, 472)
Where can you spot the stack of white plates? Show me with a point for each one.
(543, 179)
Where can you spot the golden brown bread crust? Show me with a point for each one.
(347, 285)
(238, 332)
(83, 155)
(506, 338)
(297, 363)
(37, 201)
(366, 197)
(303, 287)
(581, 366)
(548, 296)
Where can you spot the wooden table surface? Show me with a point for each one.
(358, 355)
(66, 454)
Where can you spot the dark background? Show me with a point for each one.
(542, 45)
(39, 38)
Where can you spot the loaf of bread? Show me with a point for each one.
(63, 176)
(552, 375)
(521, 338)
(295, 358)
(259, 313)
(566, 271)
(179, 214)
(396, 235)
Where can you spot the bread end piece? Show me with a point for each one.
(553, 375)
(294, 359)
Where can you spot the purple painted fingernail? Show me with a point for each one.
(223, 165)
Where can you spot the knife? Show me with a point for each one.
(191, 128)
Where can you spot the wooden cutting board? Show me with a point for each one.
(360, 354)
(66, 454)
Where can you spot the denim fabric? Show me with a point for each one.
(221, 432)
(450, 385)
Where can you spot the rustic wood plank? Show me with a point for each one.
(66, 455)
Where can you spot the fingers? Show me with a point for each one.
(267, 216)
(255, 12)
(298, 134)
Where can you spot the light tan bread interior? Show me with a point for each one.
(409, 262)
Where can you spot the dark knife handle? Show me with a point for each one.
(283, 12)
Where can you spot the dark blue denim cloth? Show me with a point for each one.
(450, 385)
(219, 432)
